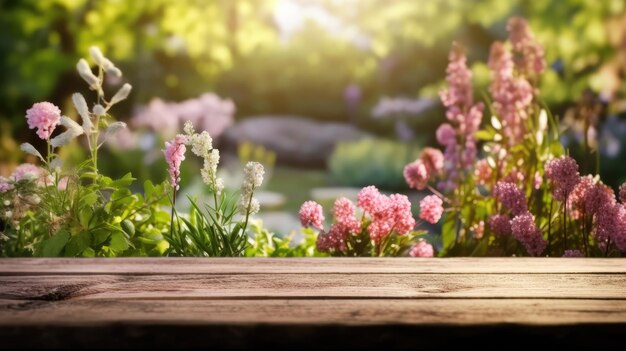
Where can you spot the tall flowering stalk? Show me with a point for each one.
(210, 230)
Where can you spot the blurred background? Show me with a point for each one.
(330, 95)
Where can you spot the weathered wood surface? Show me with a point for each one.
(289, 303)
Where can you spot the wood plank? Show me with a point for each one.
(324, 324)
(314, 286)
(330, 312)
(171, 265)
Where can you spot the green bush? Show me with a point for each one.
(376, 162)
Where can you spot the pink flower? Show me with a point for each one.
(446, 134)
(422, 249)
(598, 196)
(311, 214)
(344, 212)
(26, 171)
(500, 225)
(416, 175)
(332, 241)
(530, 54)
(537, 181)
(576, 199)
(478, 229)
(622, 193)
(431, 209)
(402, 216)
(174, 156)
(5, 186)
(562, 172)
(432, 159)
(371, 200)
(45, 117)
(611, 224)
(511, 197)
(512, 96)
(525, 231)
(573, 253)
(63, 182)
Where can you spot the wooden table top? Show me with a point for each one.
(306, 302)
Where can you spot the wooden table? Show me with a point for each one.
(312, 302)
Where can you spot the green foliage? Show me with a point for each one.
(263, 243)
(376, 162)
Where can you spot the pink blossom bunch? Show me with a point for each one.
(344, 212)
(529, 58)
(5, 185)
(332, 241)
(525, 230)
(500, 224)
(28, 171)
(422, 249)
(622, 193)
(387, 213)
(562, 172)
(464, 115)
(312, 214)
(576, 200)
(44, 116)
(419, 172)
(174, 155)
(431, 209)
(512, 95)
(511, 196)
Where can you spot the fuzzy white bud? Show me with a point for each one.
(85, 72)
(121, 94)
(114, 128)
(83, 111)
(99, 110)
(73, 130)
(96, 55)
(30, 149)
(7, 203)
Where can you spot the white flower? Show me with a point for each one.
(85, 72)
(73, 130)
(209, 171)
(8, 214)
(201, 144)
(252, 179)
(253, 174)
(83, 111)
(96, 55)
(34, 199)
(121, 94)
(188, 128)
(7, 203)
(30, 149)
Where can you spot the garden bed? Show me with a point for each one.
(330, 302)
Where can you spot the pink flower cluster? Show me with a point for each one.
(419, 172)
(522, 226)
(422, 249)
(512, 95)
(312, 214)
(511, 197)
(529, 58)
(464, 115)
(174, 155)
(562, 172)
(45, 117)
(431, 209)
(345, 217)
(387, 213)
(525, 230)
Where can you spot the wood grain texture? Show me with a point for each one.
(321, 303)
(172, 265)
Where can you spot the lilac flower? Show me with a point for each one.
(511, 197)
(174, 155)
(431, 209)
(562, 172)
(526, 231)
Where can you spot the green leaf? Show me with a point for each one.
(123, 182)
(53, 246)
(100, 235)
(89, 199)
(448, 232)
(78, 244)
(118, 242)
(128, 227)
(485, 135)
